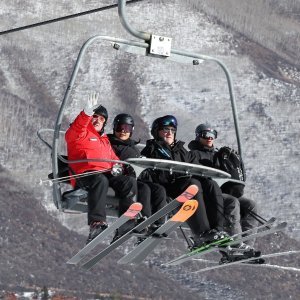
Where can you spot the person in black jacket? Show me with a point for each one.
(151, 195)
(239, 210)
(165, 146)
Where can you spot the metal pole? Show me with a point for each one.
(56, 188)
(230, 88)
(123, 19)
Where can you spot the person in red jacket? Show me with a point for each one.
(86, 140)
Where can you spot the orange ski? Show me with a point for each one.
(186, 211)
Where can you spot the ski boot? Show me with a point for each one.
(211, 237)
(129, 225)
(149, 231)
(138, 221)
(95, 229)
(239, 252)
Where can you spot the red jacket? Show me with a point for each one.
(84, 142)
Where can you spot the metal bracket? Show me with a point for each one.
(160, 45)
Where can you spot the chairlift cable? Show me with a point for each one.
(66, 17)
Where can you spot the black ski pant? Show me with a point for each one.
(247, 220)
(125, 188)
(198, 222)
(214, 202)
(238, 215)
(232, 215)
(153, 197)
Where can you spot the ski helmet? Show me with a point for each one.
(161, 122)
(125, 120)
(101, 111)
(205, 131)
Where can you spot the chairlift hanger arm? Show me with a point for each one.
(123, 19)
(71, 84)
(39, 134)
(58, 122)
(230, 88)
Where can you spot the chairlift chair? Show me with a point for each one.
(155, 46)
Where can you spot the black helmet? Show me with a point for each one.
(161, 122)
(205, 130)
(123, 122)
(123, 119)
(101, 111)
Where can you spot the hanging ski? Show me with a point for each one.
(130, 214)
(190, 192)
(252, 260)
(236, 239)
(138, 254)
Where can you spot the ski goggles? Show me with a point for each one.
(168, 129)
(124, 128)
(206, 134)
(168, 121)
(99, 117)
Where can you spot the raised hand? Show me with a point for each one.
(92, 103)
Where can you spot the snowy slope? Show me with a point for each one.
(37, 63)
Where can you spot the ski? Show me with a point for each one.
(139, 253)
(235, 239)
(189, 193)
(248, 261)
(130, 214)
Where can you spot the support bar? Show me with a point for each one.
(123, 19)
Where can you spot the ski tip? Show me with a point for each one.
(283, 225)
(189, 193)
(136, 206)
(133, 210)
(272, 220)
(194, 188)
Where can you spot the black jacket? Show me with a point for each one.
(161, 150)
(204, 155)
(125, 149)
